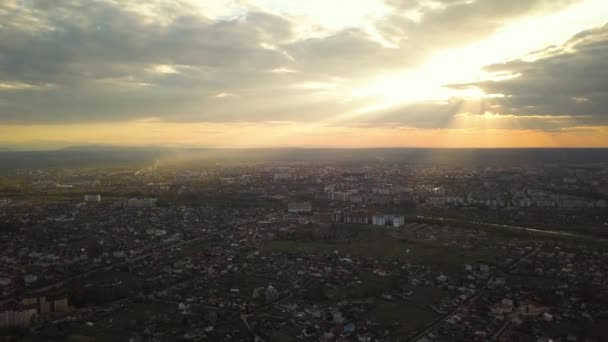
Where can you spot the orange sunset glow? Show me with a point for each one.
(266, 73)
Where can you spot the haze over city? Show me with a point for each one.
(274, 73)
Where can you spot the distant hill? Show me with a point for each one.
(77, 158)
(110, 148)
(118, 156)
(92, 148)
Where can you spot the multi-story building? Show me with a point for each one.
(388, 220)
(92, 198)
(22, 313)
(299, 207)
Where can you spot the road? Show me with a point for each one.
(471, 299)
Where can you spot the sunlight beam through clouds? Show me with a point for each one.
(465, 64)
(294, 71)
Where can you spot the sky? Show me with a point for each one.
(294, 73)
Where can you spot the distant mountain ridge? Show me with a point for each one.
(88, 156)
(92, 148)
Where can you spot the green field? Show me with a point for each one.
(377, 244)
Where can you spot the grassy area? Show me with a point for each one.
(371, 286)
(511, 231)
(407, 318)
(285, 335)
(377, 244)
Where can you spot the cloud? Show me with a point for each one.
(566, 80)
(79, 42)
(224, 95)
(183, 61)
(449, 23)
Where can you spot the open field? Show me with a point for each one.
(374, 243)
(501, 230)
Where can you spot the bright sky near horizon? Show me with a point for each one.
(269, 73)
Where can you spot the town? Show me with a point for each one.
(301, 251)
